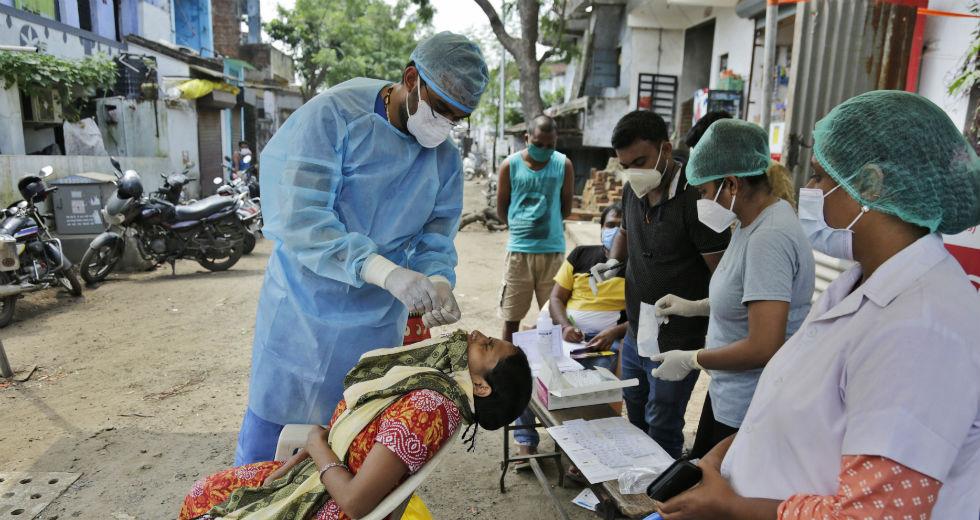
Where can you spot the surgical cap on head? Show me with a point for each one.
(730, 148)
(452, 66)
(899, 153)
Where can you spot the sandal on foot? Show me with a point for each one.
(523, 465)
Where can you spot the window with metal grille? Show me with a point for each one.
(658, 93)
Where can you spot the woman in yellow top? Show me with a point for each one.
(596, 316)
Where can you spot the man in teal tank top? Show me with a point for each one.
(534, 196)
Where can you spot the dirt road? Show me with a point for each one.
(142, 383)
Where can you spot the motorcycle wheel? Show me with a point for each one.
(69, 280)
(6, 306)
(249, 244)
(232, 229)
(222, 263)
(97, 263)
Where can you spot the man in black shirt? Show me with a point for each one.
(670, 252)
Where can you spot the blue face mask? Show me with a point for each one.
(539, 154)
(608, 237)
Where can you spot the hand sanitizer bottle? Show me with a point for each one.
(544, 334)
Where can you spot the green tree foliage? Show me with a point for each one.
(545, 26)
(967, 80)
(334, 40)
(488, 111)
(36, 73)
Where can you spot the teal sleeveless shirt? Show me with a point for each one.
(534, 216)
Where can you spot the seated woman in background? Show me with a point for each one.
(597, 317)
(400, 407)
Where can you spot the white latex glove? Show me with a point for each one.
(671, 305)
(602, 272)
(449, 312)
(411, 288)
(676, 364)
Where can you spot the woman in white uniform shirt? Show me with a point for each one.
(872, 409)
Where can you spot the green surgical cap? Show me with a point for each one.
(899, 153)
(452, 66)
(730, 148)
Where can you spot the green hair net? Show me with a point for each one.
(899, 153)
(452, 66)
(730, 148)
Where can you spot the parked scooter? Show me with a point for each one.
(207, 231)
(30, 258)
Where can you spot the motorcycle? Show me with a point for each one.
(172, 189)
(31, 259)
(247, 173)
(250, 213)
(207, 231)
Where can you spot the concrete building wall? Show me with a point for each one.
(653, 51)
(22, 28)
(166, 66)
(946, 43)
(155, 21)
(601, 119)
(182, 136)
(733, 36)
(11, 122)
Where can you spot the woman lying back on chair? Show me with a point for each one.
(400, 406)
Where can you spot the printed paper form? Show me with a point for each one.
(528, 342)
(604, 448)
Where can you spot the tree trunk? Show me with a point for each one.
(531, 104)
(524, 51)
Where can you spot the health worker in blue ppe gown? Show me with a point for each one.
(362, 192)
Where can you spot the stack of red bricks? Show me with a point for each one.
(600, 191)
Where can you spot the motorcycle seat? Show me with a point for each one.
(203, 208)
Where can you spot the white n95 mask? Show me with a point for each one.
(645, 180)
(430, 129)
(838, 243)
(714, 215)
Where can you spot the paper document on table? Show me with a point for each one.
(603, 449)
(528, 342)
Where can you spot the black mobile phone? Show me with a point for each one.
(678, 478)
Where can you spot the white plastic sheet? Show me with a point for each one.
(83, 138)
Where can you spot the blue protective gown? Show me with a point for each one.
(339, 183)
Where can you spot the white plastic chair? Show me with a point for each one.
(293, 438)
